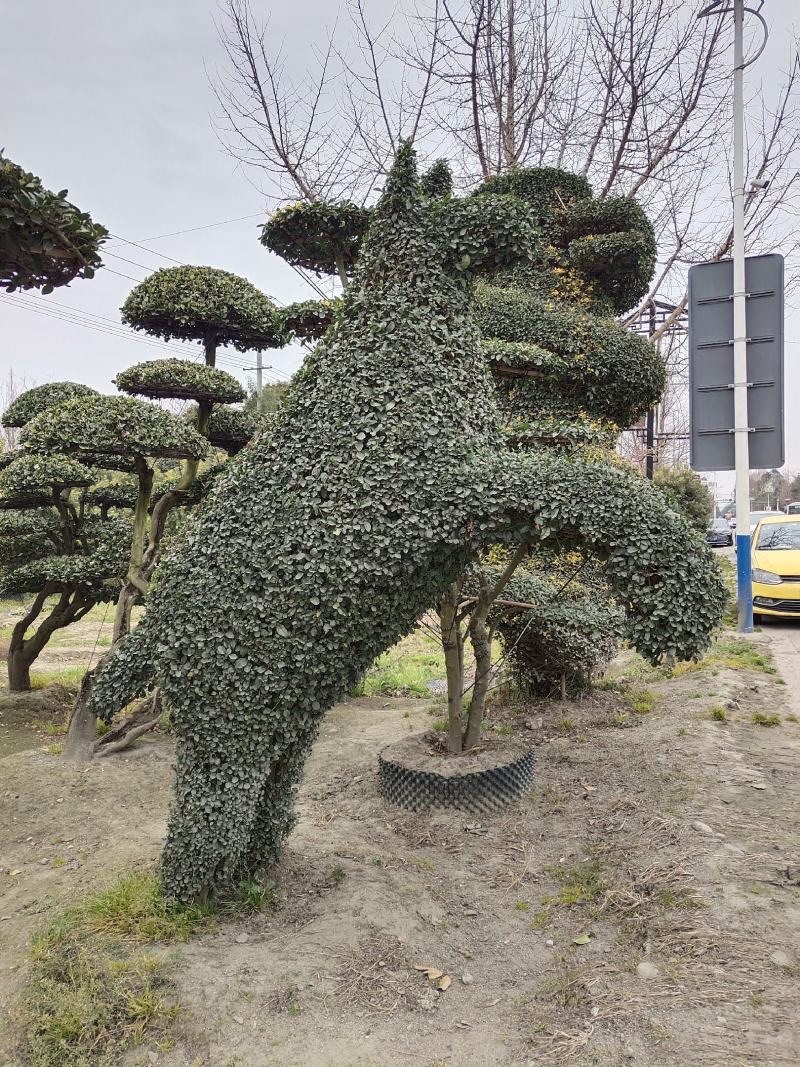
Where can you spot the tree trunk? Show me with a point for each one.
(481, 637)
(19, 670)
(82, 730)
(453, 645)
(142, 719)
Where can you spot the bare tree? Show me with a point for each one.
(10, 388)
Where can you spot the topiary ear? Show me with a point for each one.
(483, 234)
(437, 183)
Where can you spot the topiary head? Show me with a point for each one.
(418, 234)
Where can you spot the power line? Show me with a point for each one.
(102, 324)
(76, 319)
(136, 244)
(132, 262)
(119, 275)
(191, 229)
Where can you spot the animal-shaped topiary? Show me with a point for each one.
(326, 538)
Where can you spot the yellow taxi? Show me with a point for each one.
(775, 555)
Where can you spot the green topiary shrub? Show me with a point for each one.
(309, 319)
(204, 304)
(324, 542)
(112, 426)
(571, 632)
(53, 549)
(40, 398)
(231, 428)
(180, 379)
(45, 241)
(321, 237)
(33, 473)
(687, 494)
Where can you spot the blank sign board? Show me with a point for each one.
(711, 363)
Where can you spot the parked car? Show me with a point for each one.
(757, 516)
(719, 532)
(776, 566)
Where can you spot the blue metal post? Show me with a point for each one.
(744, 582)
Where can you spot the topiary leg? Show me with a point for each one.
(662, 575)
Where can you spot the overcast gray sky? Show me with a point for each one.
(111, 100)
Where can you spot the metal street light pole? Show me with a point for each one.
(740, 379)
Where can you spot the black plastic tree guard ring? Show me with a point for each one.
(477, 791)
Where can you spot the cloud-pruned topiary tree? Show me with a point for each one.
(192, 304)
(45, 241)
(569, 377)
(383, 477)
(318, 236)
(204, 304)
(53, 544)
(123, 431)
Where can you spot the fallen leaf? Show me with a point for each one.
(582, 939)
(444, 982)
(430, 972)
(587, 787)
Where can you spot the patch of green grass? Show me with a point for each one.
(792, 718)
(581, 884)
(522, 905)
(641, 701)
(719, 714)
(405, 669)
(740, 654)
(96, 986)
(53, 729)
(540, 919)
(760, 718)
(55, 749)
(678, 898)
(441, 725)
(69, 676)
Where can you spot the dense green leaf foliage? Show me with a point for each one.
(572, 631)
(112, 425)
(231, 428)
(117, 494)
(319, 237)
(203, 303)
(309, 319)
(20, 501)
(22, 523)
(325, 540)
(588, 360)
(40, 398)
(32, 473)
(688, 494)
(180, 379)
(96, 566)
(45, 241)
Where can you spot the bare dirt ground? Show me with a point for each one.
(641, 906)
